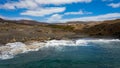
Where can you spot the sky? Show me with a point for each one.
(53, 11)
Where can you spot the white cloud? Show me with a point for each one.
(58, 17)
(80, 12)
(114, 5)
(7, 6)
(28, 4)
(44, 11)
(109, 16)
(54, 18)
(58, 2)
(37, 7)
(34, 4)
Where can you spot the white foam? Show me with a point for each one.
(11, 49)
(97, 40)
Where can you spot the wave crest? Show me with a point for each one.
(11, 49)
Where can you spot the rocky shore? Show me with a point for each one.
(26, 30)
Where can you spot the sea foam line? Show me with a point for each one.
(11, 49)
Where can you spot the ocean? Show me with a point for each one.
(80, 53)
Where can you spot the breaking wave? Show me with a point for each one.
(9, 50)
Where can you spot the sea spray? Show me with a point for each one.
(12, 49)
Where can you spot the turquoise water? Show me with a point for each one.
(94, 55)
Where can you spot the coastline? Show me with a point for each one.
(71, 37)
(10, 50)
(27, 30)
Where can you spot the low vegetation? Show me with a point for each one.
(16, 31)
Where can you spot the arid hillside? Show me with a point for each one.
(12, 31)
(27, 30)
(104, 29)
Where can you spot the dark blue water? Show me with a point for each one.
(100, 55)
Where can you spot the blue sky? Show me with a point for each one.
(60, 10)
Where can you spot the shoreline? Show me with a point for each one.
(10, 50)
(64, 38)
(44, 40)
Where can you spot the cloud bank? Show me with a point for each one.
(44, 11)
(109, 16)
(32, 4)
